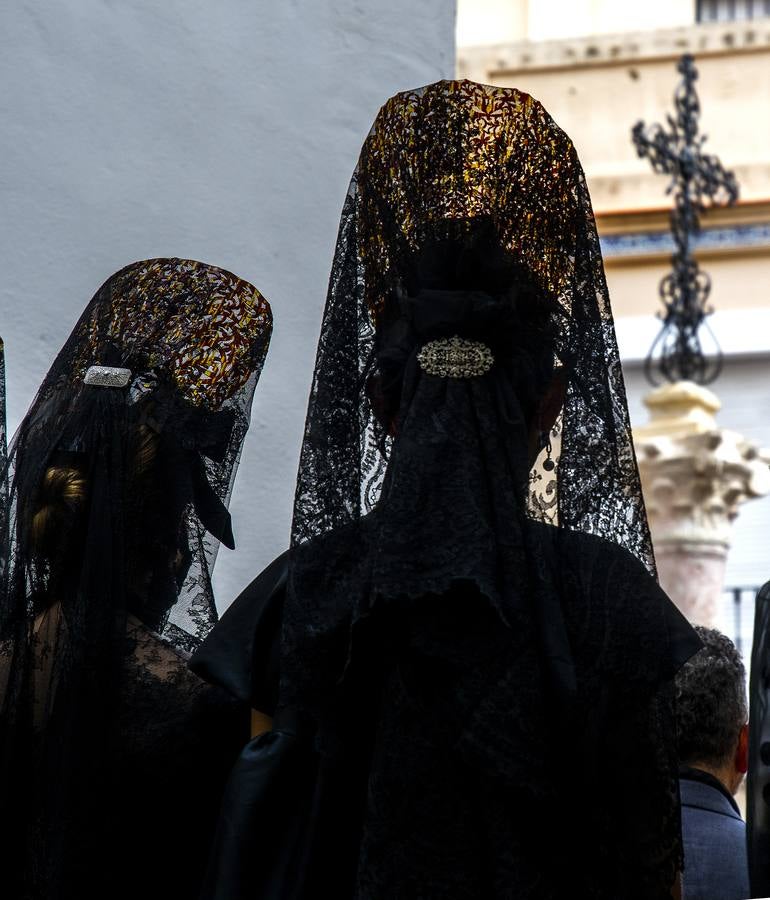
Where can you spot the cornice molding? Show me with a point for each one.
(713, 39)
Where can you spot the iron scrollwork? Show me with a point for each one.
(697, 178)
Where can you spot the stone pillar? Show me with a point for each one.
(695, 476)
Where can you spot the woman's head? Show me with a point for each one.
(464, 282)
(127, 453)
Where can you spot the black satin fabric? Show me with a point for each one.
(291, 817)
(435, 773)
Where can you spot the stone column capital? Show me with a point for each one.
(695, 477)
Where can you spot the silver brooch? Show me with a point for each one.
(455, 358)
(107, 376)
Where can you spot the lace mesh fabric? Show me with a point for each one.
(445, 154)
(98, 617)
(382, 522)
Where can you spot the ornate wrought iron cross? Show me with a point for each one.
(696, 177)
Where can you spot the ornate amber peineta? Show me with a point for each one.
(455, 151)
(207, 328)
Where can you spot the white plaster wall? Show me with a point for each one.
(225, 132)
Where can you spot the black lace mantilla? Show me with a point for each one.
(118, 502)
(394, 506)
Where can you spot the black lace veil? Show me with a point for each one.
(467, 285)
(118, 481)
(456, 164)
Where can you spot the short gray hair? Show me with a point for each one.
(711, 705)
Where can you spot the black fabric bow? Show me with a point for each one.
(190, 433)
(476, 315)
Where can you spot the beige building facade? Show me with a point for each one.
(599, 66)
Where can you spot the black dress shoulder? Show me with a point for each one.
(242, 653)
(439, 771)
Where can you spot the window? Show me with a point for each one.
(731, 10)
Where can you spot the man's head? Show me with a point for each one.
(712, 712)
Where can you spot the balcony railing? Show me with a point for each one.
(736, 616)
(731, 10)
(736, 619)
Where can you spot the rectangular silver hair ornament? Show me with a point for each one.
(107, 376)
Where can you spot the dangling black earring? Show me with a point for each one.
(549, 465)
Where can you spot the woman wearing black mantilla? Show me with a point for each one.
(465, 654)
(113, 755)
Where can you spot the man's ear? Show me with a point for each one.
(552, 402)
(741, 761)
